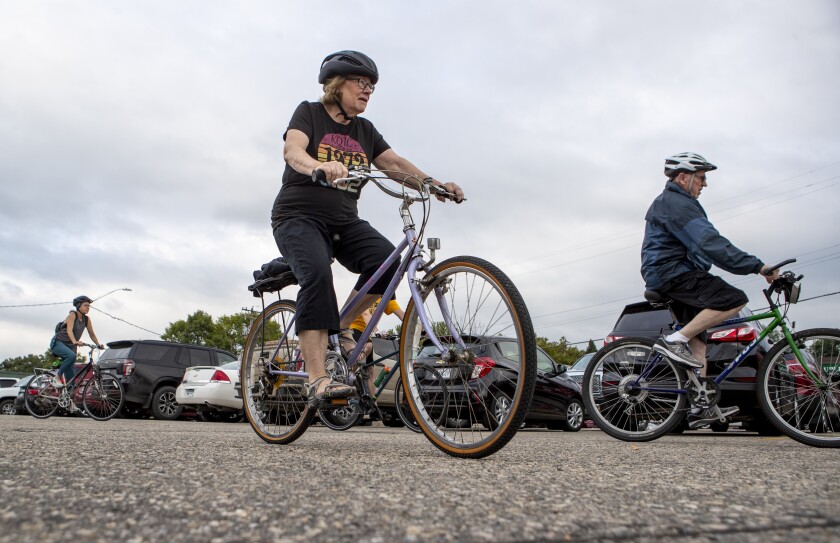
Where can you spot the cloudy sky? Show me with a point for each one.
(141, 144)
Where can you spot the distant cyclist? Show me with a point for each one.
(68, 335)
(678, 250)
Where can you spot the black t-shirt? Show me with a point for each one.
(354, 144)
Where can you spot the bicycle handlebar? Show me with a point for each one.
(769, 271)
(320, 177)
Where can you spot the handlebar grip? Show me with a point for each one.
(769, 271)
(320, 176)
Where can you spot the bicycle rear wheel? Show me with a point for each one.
(800, 407)
(103, 397)
(626, 405)
(498, 359)
(274, 404)
(41, 397)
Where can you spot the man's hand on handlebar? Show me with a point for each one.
(770, 274)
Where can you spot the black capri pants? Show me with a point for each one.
(309, 245)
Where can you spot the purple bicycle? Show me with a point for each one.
(467, 405)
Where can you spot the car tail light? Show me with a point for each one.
(744, 333)
(219, 377)
(128, 366)
(483, 365)
(611, 338)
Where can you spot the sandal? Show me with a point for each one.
(332, 390)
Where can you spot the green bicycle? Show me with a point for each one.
(634, 393)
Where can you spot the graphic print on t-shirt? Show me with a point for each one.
(344, 149)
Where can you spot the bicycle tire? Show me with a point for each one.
(275, 406)
(483, 303)
(789, 397)
(41, 397)
(340, 418)
(434, 385)
(620, 411)
(103, 397)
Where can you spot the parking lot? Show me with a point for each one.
(144, 480)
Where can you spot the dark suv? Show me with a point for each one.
(150, 371)
(723, 344)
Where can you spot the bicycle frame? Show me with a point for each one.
(410, 264)
(777, 321)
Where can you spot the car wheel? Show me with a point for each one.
(574, 416)
(164, 406)
(497, 410)
(133, 411)
(7, 407)
(391, 420)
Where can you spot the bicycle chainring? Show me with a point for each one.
(706, 396)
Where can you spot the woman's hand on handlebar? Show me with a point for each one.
(770, 274)
(455, 192)
(332, 170)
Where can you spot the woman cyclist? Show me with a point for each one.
(68, 335)
(314, 222)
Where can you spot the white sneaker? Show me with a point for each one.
(57, 382)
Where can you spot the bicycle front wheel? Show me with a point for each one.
(488, 370)
(801, 407)
(630, 398)
(275, 404)
(41, 397)
(103, 397)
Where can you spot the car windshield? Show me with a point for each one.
(646, 320)
(582, 362)
(115, 354)
(231, 365)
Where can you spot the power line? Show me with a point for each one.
(126, 322)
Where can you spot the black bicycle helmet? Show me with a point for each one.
(79, 300)
(687, 162)
(348, 63)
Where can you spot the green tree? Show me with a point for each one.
(560, 350)
(591, 348)
(197, 329)
(230, 332)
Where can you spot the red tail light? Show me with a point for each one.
(219, 377)
(610, 339)
(128, 366)
(745, 333)
(483, 365)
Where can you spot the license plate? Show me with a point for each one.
(446, 373)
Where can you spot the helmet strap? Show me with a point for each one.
(342, 112)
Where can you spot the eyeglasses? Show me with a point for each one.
(363, 83)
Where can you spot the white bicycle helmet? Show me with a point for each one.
(687, 162)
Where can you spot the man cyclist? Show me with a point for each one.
(679, 248)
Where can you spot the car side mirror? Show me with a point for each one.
(561, 369)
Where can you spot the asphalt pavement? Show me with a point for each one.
(74, 479)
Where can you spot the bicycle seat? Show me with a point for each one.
(657, 299)
(272, 277)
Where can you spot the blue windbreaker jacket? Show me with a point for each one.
(679, 238)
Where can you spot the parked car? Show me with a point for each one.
(557, 401)
(7, 382)
(213, 392)
(20, 406)
(151, 370)
(8, 393)
(724, 343)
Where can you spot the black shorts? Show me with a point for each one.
(309, 245)
(695, 291)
